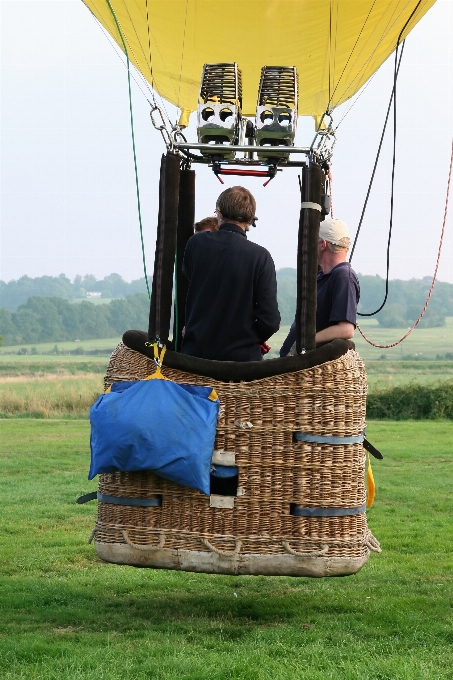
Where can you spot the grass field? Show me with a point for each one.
(106, 345)
(46, 390)
(66, 615)
(46, 385)
(422, 344)
(48, 395)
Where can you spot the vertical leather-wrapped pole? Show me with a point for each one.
(307, 256)
(164, 259)
(186, 219)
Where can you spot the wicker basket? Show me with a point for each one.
(254, 532)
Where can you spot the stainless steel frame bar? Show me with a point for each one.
(226, 147)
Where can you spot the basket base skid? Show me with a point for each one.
(253, 564)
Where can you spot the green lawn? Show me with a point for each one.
(66, 615)
(49, 395)
(385, 368)
(8, 352)
(422, 343)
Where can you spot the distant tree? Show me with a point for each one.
(287, 294)
(78, 291)
(132, 312)
(93, 321)
(138, 286)
(431, 318)
(16, 293)
(113, 286)
(89, 282)
(7, 327)
(69, 317)
(50, 321)
(392, 316)
(27, 326)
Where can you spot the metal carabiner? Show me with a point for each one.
(151, 114)
(166, 136)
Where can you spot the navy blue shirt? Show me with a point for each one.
(337, 300)
(231, 304)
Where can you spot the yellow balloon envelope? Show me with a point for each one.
(336, 45)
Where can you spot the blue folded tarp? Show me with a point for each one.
(155, 425)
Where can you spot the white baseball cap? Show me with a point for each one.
(333, 231)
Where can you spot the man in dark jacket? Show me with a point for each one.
(338, 289)
(231, 306)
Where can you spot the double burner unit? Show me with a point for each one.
(226, 137)
(220, 119)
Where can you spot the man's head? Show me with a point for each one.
(208, 224)
(334, 243)
(236, 205)
(336, 233)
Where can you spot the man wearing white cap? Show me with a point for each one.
(338, 288)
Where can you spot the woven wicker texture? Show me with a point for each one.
(274, 471)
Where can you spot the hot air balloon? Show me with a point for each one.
(287, 492)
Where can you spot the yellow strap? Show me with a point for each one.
(109, 389)
(157, 375)
(371, 487)
(213, 396)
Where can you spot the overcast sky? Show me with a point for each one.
(67, 183)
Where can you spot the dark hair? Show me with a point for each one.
(208, 224)
(238, 204)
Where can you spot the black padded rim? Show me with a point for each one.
(237, 371)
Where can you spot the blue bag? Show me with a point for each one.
(155, 425)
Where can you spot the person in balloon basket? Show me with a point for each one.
(207, 224)
(231, 305)
(338, 289)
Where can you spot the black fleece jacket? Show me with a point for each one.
(231, 303)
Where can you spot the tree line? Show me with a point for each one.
(51, 316)
(16, 293)
(404, 303)
(54, 319)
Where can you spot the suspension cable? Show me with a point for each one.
(425, 307)
(395, 77)
(133, 146)
(330, 178)
(391, 201)
(376, 161)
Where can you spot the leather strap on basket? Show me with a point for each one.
(223, 553)
(144, 548)
(327, 512)
(148, 502)
(87, 497)
(155, 501)
(325, 439)
(372, 449)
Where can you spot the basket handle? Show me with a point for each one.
(138, 546)
(319, 553)
(223, 553)
(372, 543)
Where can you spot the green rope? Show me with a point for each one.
(133, 145)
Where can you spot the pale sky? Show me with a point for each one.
(67, 183)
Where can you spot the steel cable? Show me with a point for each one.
(425, 307)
